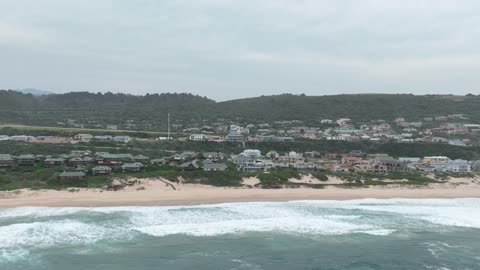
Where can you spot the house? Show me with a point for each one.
(291, 158)
(234, 136)
(214, 156)
(213, 167)
(83, 137)
(6, 161)
(101, 170)
(343, 121)
(188, 154)
(26, 160)
(80, 153)
(159, 161)
(71, 176)
(312, 154)
(198, 137)
(436, 160)
(308, 166)
(22, 138)
(76, 161)
(189, 166)
(331, 156)
(141, 158)
(256, 166)
(122, 139)
(326, 121)
(178, 157)
(103, 138)
(215, 138)
(48, 162)
(272, 155)
(184, 155)
(242, 160)
(383, 163)
(112, 159)
(459, 165)
(132, 167)
(336, 167)
(251, 153)
(4, 137)
(411, 163)
(351, 160)
(432, 168)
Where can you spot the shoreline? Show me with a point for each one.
(156, 193)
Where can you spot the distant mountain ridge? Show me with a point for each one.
(33, 91)
(150, 111)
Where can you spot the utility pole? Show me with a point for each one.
(168, 136)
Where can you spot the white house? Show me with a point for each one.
(198, 137)
(251, 153)
(459, 165)
(436, 160)
(21, 138)
(83, 137)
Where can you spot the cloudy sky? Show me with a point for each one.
(227, 49)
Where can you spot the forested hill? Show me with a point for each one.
(149, 111)
(357, 107)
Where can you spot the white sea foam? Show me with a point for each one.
(66, 226)
(450, 212)
(38, 211)
(47, 234)
(291, 225)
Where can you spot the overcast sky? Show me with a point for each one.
(227, 49)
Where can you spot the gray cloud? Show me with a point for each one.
(228, 49)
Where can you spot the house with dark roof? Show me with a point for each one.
(132, 167)
(159, 161)
(49, 162)
(76, 161)
(6, 161)
(113, 159)
(101, 170)
(26, 160)
(242, 160)
(141, 158)
(214, 156)
(122, 139)
(189, 166)
(214, 167)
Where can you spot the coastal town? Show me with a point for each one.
(77, 164)
(82, 164)
(449, 129)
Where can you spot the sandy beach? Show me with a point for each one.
(154, 192)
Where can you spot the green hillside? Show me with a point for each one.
(149, 112)
(356, 107)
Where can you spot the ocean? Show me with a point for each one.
(356, 234)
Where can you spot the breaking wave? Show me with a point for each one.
(28, 228)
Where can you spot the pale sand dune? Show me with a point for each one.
(155, 192)
(250, 181)
(309, 179)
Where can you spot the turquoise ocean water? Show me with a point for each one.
(358, 234)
